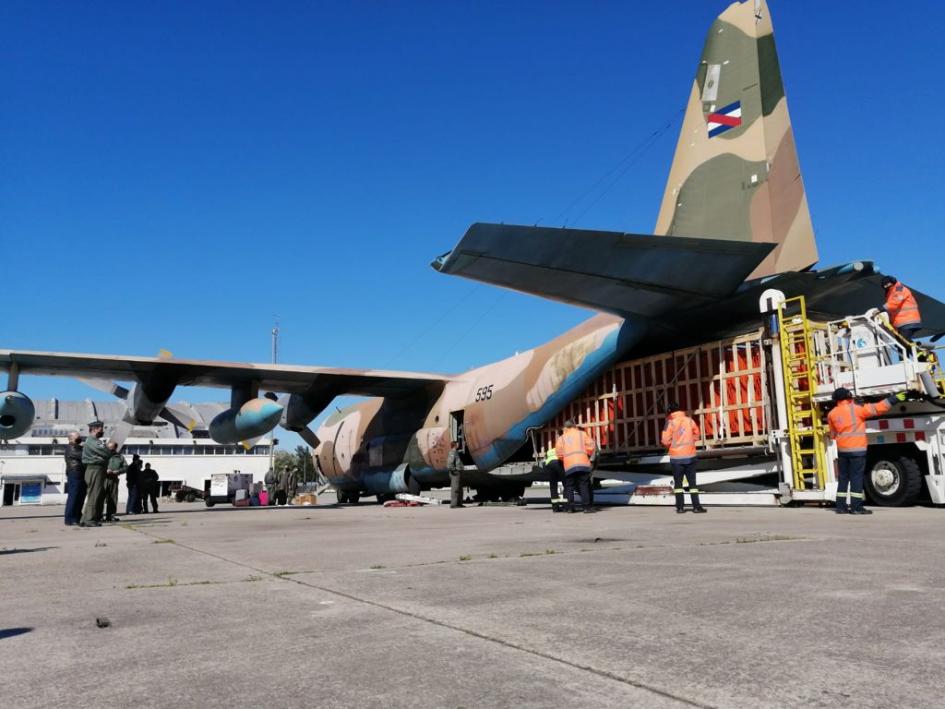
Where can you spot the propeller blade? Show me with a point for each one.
(120, 432)
(308, 435)
(251, 443)
(178, 416)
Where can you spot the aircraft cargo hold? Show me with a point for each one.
(760, 401)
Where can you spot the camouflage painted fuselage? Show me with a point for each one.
(377, 444)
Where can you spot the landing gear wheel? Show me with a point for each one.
(342, 496)
(209, 503)
(354, 497)
(893, 481)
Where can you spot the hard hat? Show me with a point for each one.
(96, 424)
(841, 394)
(673, 407)
(888, 281)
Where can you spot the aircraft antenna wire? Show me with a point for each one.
(618, 170)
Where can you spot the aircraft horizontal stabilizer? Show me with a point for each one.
(613, 272)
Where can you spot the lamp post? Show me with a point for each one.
(275, 356)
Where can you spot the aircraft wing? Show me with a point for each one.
(270, 377)
(613, 272)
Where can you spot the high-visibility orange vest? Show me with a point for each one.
(902, 306)
(847, 423)
(575, 448)
(680, 436)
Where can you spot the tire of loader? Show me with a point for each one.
(893, 481)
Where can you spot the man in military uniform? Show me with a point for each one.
(75, 479)
(271, 480)
(292, 483)
(149, 488)
(116, 467)
(95, 457)
(455, 467)
(133, 483)
(282, 482)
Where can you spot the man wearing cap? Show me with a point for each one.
(847, 422)
(902, 308)
(95, 457)
(116, 467)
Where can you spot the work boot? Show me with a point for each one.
(680, 510)
(861, 511)
(700, 508)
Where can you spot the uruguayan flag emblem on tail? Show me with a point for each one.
(724, 119)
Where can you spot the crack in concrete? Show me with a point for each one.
(606, 674)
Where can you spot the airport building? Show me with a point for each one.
(32, 469)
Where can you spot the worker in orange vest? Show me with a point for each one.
(902, 308)
(847, 422)
(679, 436)
(574, 449)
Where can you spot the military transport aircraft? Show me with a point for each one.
(736, 208)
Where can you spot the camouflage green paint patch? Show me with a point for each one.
(715, 200)
(769, 69)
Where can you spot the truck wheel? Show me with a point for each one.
(190, 497)
(893, 482)
(354, 497)
(209, 503)
(341, 496)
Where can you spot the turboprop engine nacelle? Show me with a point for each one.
(16, 414)
(140, 406)
(253, 419)
(298, 414)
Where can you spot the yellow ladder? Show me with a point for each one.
(805, 426)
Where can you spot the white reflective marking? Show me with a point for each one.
(710, 91)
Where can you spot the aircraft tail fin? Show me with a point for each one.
(735, 173)
(624, 274)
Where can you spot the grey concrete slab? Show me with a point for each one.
(366, 606)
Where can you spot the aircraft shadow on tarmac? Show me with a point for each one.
(4, 552)
(13, 632)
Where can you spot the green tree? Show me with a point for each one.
(282, 458)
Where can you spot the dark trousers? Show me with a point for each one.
(132, 506)
(149, 491)
(456, 489)
(909, 331)
(579, 480)
(555, 477)
(850, 471)
(75, 497)
(280, 497)
(685, 469)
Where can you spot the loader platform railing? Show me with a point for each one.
(867, 356)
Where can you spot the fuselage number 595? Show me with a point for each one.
(484, 393)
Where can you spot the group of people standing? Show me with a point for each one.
(571, 462)
(93, 471)
(281, 486)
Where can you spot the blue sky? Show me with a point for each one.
(177, 174)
